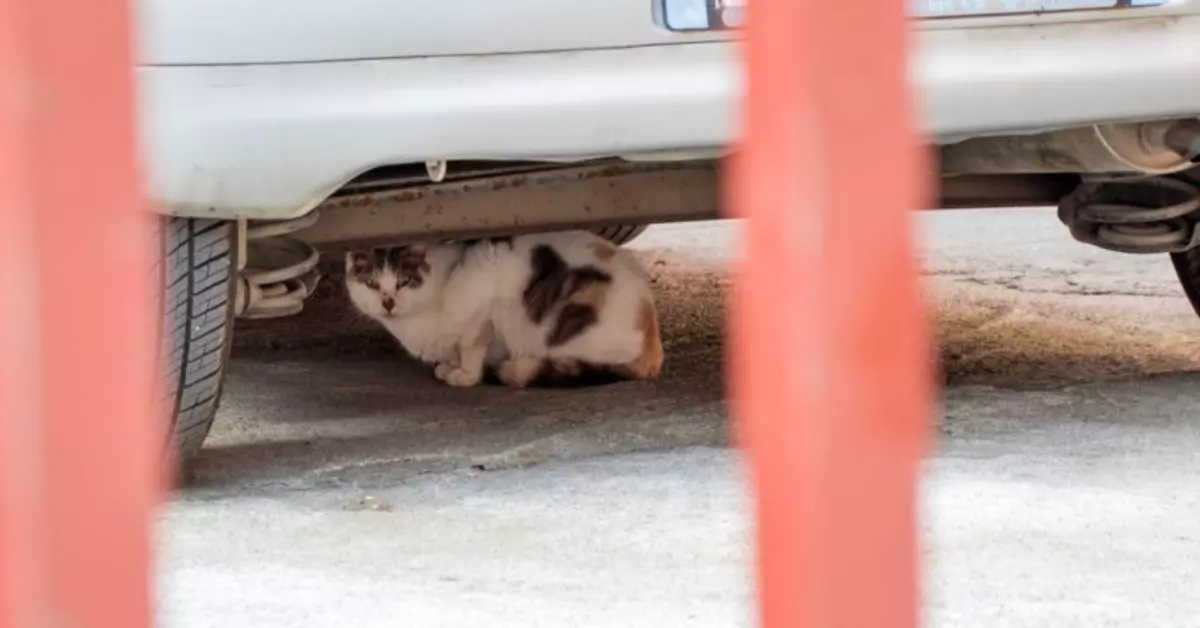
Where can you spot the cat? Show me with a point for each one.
(549, 309)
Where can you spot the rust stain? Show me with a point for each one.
(546, 178)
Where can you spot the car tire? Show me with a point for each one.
(1187, 266)
(198, 272)
(620, 234)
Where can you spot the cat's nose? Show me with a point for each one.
(389, 303)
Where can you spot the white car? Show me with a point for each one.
(277, 129)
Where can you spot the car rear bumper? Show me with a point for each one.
(271, 141)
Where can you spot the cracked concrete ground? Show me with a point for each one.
(342, 487)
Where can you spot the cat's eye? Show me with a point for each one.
(372, 284)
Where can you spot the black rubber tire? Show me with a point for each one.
(1187, 266)
(620, 234)
(198, 277)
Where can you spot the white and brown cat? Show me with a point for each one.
(546, 309)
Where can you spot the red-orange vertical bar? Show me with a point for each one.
(21, 551)
(830, 369)
(76, 364)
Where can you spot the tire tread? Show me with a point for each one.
(198, 280)
(620, 234)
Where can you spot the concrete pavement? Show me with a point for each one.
(341, 487)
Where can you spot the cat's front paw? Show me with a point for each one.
(462, 378)
(442, 370)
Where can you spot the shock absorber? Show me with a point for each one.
(279, 272)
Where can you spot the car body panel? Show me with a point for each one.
(271, 140)
(189, 32)
(193, 32)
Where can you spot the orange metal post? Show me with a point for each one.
(79, 443)
(830, 365)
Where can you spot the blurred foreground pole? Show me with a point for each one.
(78, 438)
(830, 369)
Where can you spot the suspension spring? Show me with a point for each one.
(1136, 214)
(280, 272)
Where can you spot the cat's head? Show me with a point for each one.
(389, 282)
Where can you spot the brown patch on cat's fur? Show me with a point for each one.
(547, 283)
(603, 250)
(581, 311)
(553, 283)
(573, 320)
(561, 372)
(582, 293)
(648, 365)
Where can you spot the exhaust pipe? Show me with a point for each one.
(1158, 148)
(1140, 191)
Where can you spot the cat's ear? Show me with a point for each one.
(357, 263)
